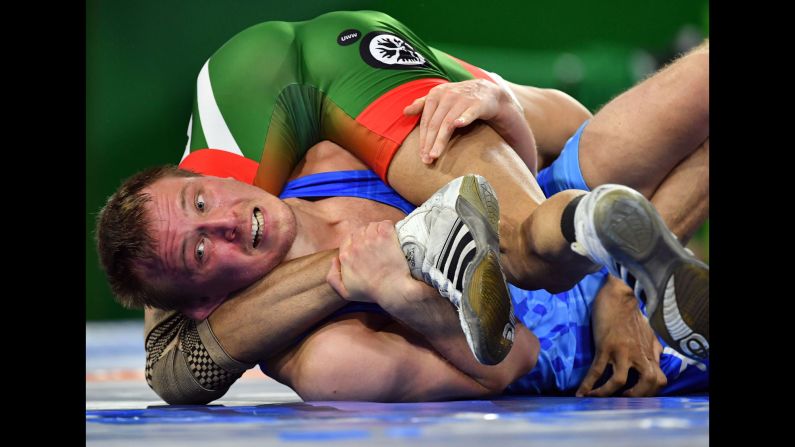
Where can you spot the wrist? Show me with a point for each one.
(509, 95)
(506, 122)
(618, 292)
(408, 296)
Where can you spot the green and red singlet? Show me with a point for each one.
(277, 88)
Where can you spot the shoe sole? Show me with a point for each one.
(632, 231)
(486, 310)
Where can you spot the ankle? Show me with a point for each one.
(567, 219)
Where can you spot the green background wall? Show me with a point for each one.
(142, 59)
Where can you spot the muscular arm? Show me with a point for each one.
(191, 362)
(374, 252)
(535, 122)
(373, 358)
(553, 116)
(367, 357)
(436, 320)
(267, 316)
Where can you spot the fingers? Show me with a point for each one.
(371, 267)
(334, 278)
(650, 382)
(370, 233)
(447, 107)
(374, 232)
(373, 245)
(657, 349)
(415, 107)
(467, 117)
(652, 378)
(617, 380)
(428, 111)
(386, 228)
(646, 386)
(596, 371)
(440, 126)
(662, 380)
(444, 130)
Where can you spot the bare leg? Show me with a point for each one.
(655, 139)
(535, 253)
(638, 138)
(683, 202)
(683, 197)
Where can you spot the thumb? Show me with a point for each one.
(334, 278)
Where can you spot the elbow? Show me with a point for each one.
(500, 377)
(177, 386)
(181, 398)
(500, 383)
(494, 387)
(518, 363)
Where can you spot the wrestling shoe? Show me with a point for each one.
(452, 243)
(617, 227)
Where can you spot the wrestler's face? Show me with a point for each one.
(214, 236)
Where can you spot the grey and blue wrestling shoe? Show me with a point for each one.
(619, 228)
(452, 243)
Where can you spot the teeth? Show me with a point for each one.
(254, 224)
(257, 222)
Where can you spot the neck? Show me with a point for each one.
(317, 229)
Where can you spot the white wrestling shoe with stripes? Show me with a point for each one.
(452, 243)
(619, 228)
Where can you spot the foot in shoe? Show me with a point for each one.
(617, 227)
(452, 243)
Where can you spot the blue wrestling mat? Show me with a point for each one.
(122, 410)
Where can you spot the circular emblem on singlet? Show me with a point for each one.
(348, 37)
(386, 50)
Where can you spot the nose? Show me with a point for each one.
(223, 225)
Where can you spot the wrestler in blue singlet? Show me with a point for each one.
(561, 321)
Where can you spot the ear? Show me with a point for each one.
(203, 308)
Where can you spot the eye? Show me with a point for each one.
(200, 251)
(200, 202)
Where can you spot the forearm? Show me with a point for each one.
(435, 319)
(512, 127)
(553, 117)
(372, 268)
(267, 317)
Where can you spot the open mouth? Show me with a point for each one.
(257, 222)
